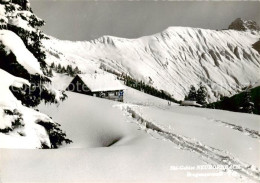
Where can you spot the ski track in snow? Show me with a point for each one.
(207, 152)
(244, 130)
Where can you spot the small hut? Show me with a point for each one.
(98, 85)
(190, 103)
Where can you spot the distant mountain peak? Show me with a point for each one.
(171, 60)
(244, 25)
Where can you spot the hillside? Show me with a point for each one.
(144, 138)
(144, 142)
(172, 60)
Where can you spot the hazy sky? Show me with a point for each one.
(86, 20)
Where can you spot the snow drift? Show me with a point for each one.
(28, 134)
(181, 136)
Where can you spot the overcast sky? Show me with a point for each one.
(86, 20)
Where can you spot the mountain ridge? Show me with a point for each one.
(173, 59)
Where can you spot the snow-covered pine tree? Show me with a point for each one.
(248, 105)
(22, 60)
(192, 95)
(26, 25)
(76, 70)
(25, 4)
(49, 72)
(52, 65)
(63, 70)
(201, 96)
(58, 68)
(69, 70)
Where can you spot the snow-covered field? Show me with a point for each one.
(144, 139)
(141, 140)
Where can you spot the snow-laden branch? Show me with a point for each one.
(13, 43)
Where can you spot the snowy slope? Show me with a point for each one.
(171, 60)
(188, 137)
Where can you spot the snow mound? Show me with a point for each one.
(94, 123)
(7, 98)
(28, 134)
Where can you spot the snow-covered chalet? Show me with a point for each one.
(98, 85)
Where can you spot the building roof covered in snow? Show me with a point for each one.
(101, 82)
(190, 103)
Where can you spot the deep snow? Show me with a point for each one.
(112, 145)
(33, 133)
(144, 139)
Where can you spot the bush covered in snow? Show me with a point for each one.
(26, 82)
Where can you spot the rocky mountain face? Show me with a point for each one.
(256, 46)
(172, 60)
(243, 25)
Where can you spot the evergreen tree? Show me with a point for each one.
(23, 3)
(63, 70)
(50, 74)
(69, 70)
(201, 95)
(192, 96)
(248, 105)
(33, 42)
(58, 68)
(52, 65)
(76, 70)
(32, 38)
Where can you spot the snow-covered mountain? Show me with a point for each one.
(146, 138)
(172, 60)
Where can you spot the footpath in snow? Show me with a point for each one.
(143, 139)
(209, 153)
